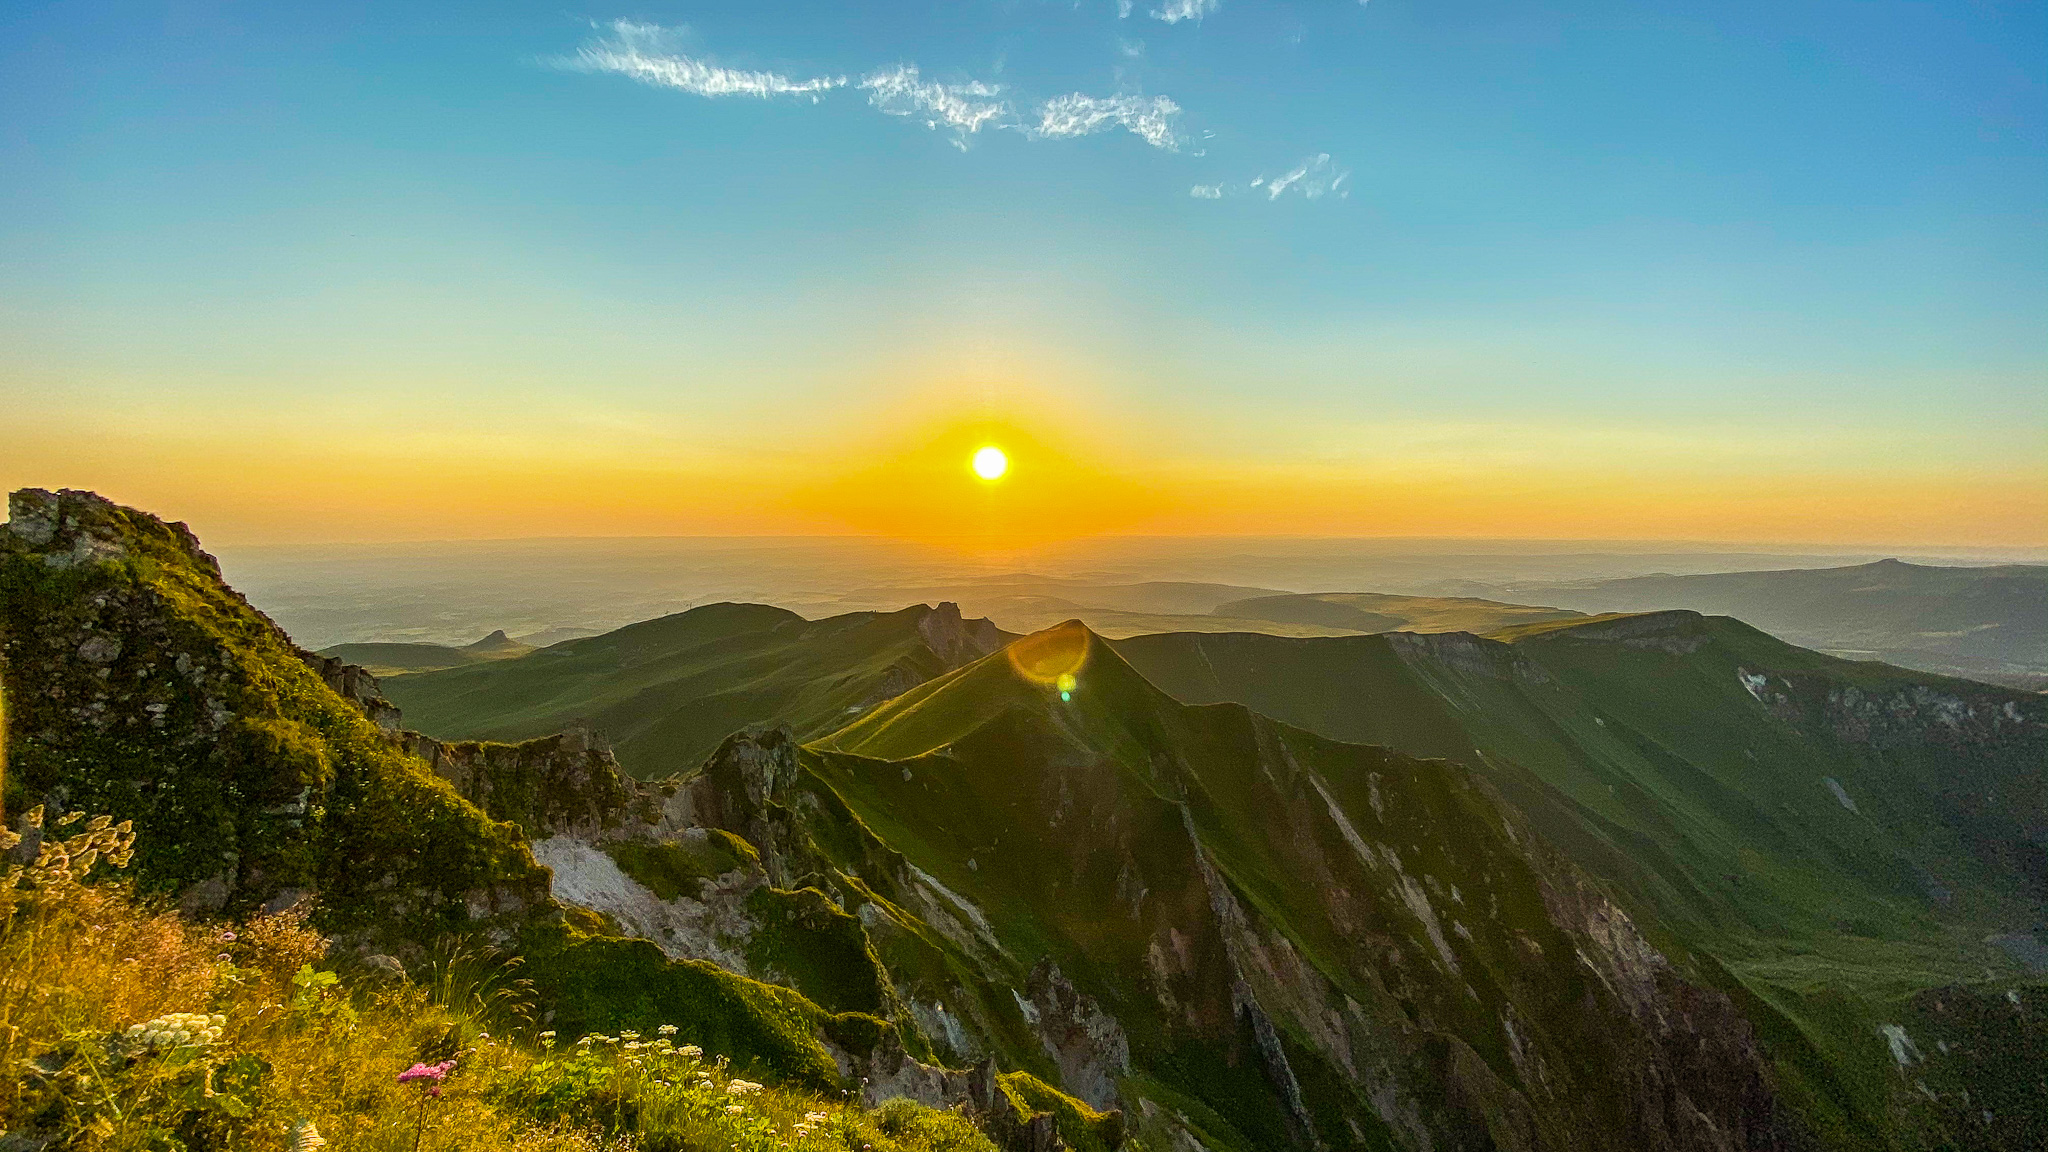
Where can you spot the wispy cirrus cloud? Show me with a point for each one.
(655, 55)
(1312, 179)
(645, 53)
(965, 107)
(1077, 114)
(1175, 11)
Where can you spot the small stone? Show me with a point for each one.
(99, 649)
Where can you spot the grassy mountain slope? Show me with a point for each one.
(1377, 936)
(667, 691)
(1987, 623)
(1845, 837)
(1379, 612)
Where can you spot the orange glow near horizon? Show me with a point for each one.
(1087, 474)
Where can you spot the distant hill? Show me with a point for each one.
(1984, 623)
(398, 659)
(1369, 612)
(666, 691)
(1033, 603)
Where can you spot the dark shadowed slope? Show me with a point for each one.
(1986, 623)
(1847, 837)
(665, 692)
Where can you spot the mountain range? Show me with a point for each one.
(1631, 881)
(1987, 623)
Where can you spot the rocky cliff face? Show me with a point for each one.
(139, 684)
(568, 784)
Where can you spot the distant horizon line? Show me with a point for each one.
(1595, 544)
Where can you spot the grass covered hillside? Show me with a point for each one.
(1986, 623)
(1852, 841)
(665, 692)
(1256, 935)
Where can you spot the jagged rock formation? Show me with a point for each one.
(354, 685)
(567, 784)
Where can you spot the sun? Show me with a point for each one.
(990, 463)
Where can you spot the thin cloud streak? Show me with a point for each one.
(637, 51)
(1314, 178)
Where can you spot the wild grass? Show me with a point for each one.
(125, 1026)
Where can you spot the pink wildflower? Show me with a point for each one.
(433, 1072)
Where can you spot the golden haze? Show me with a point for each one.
(1062, 483)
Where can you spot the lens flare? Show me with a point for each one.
(990, 463)
(1053, 657)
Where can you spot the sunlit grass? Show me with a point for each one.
(125, 1026)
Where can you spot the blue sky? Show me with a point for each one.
(1697, 244)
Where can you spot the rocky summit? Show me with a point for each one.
(1650, 881)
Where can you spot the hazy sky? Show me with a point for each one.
(1758, 271)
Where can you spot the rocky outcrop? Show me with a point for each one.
(568, 784)
(1467, 653)
(957, 641)
(354, 685)
(1086, 1043)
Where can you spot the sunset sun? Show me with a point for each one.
(990, 463)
